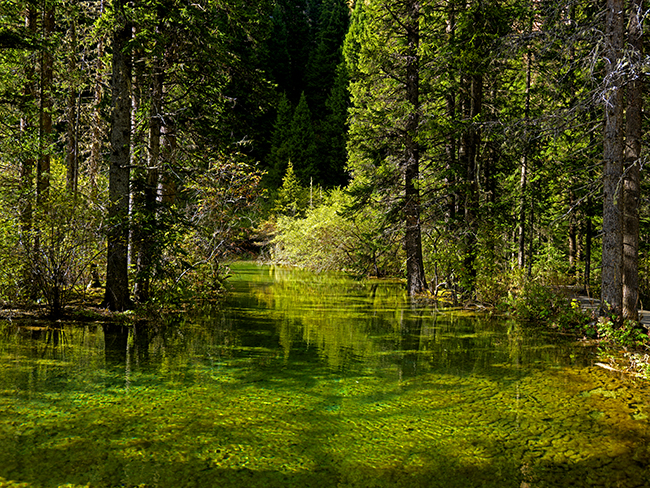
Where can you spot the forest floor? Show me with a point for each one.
(592, 305)
(630, 361)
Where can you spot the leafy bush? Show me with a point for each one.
(68, 237)
(319, 241)
(329, 238)
(47, 251)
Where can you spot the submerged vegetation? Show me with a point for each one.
(269, 391)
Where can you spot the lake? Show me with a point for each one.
(314, 380)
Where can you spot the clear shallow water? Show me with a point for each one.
(315, 381)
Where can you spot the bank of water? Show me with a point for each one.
(314, 381)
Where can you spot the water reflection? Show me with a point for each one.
(316, 380)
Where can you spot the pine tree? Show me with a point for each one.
(326, 55)
(334, 132)
(280, 153)
(302, 144)
(385, 121)
(291, 194)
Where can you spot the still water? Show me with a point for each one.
(314, 381)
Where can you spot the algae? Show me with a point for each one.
(303, 380)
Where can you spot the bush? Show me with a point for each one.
(320, 241)
(329, 238)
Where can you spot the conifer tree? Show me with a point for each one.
(290, 196)
(326, 54)
(334, 132)
(302, 144)
(384, 143)
(280, 153)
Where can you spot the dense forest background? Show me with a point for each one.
(481, 149)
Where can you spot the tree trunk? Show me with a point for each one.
(166, 185)
(611, 289)
(72, 159)
(117, 278)
(471, 141)
(523, 181)
(631, 180)
(450, 143)
(587, 256)
(28, 160)
(47, 74)
(145, 248)
(97, 120)
(573, 237)
(416, 281)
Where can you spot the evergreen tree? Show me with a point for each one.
(334, 132)
(280, 151)
(302, 144)
(291, 194)
(321, 72)
(385, 127)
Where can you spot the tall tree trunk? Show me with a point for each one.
(451, 142)
(631, 180)
(147, 208)
(573, 237)
(72, 158)
(471, 142)
(416, 280)
(166, 194)
(47, 74)
(587, 255)
(611, 289)
(97, 120)
(523, 181)
(28, 161)
(117, 278)
(27, 155)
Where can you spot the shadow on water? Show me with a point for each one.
(301, 382)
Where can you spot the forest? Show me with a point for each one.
(484, 151)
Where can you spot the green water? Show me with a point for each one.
(314, 381)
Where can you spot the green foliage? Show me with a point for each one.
(320, 241)
(67, 237)
(629, 334)
(292, 196)
(280, 150)
(328, 237)
(533, 299)
(48, 258)
(302, 144)
(220, 209)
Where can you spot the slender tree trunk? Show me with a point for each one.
(97, 120)
(148, 198)
(471, 144)
(28, 161)
(166, 195)
(27, 153)
(631, 180)
(573, 238)
(613, 162)
(416, 281)
(117, 278)
(450, 145)
(523, 181)
(47, 74)
(587, 256)
(72, 159)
